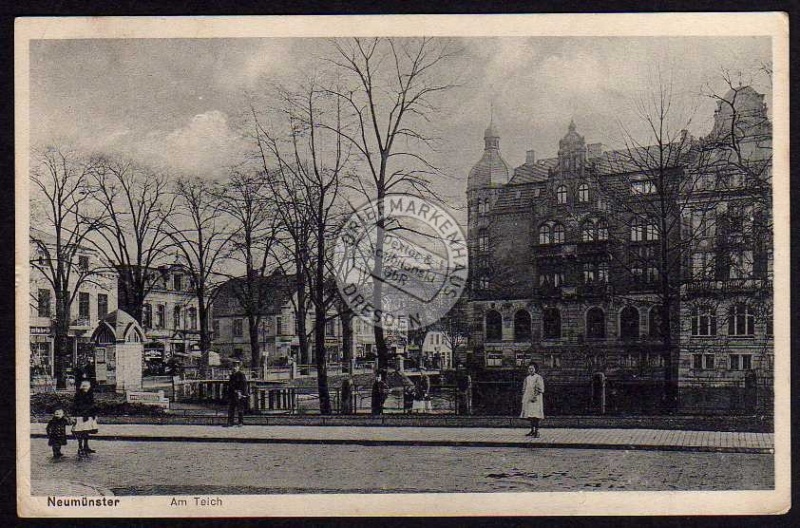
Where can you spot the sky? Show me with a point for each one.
(181, 102)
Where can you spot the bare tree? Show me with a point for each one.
(60, 177)
(391, 101)
(131, 205)
(307, 166)
(200, 234)
(246, 199)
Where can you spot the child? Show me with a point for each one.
(57, 432)
(85, 417)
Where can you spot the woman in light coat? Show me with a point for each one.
(532, 396)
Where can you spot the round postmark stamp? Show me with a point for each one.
(401, 263)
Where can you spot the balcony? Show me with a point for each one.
(701, 287)
(595, 289)
(557, 251)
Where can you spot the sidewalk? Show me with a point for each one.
(66, 488)
(640, 439)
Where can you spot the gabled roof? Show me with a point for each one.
(533, 173)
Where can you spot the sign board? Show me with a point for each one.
(147, 398)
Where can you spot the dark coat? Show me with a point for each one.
(84, 404)
(57, 431)
(237, 382)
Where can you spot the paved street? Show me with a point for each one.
(143, 467)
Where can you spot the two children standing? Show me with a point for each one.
(85, 423)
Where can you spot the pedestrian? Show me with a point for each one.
(57, 432)
(237, 394)
(464, 388)
(380, 391)
(532, 399)
(348, 390)
(409, 397)
(85, 414)
(422, 399)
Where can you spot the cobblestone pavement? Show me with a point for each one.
(432, 436)
(161, 468)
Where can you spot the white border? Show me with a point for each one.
(566, 503)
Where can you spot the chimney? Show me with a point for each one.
(530, 157)
(594, 149)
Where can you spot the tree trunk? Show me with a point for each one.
(300, 315)
(321, 361)
(346, 316)
(377, 291)
(62, 351)
(253, 322)
(205, 340)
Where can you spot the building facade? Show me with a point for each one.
(628, 281)
(94, 298)
(169, 316)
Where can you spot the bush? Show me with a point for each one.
(107, 405)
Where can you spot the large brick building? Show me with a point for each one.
(633, 277)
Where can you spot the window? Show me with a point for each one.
(702, 224)
(177, 282)
(644, 232)
(147, 315)
(702, 265)
(741, 362)
(238, 328)
(595, 323)
(44, 303)
(483, 240)
(741, 265)
(238, 352)
(486, 206)
(494, 325)
(768, 324)
(192, 318)
(176, 317)
(629, 323)
(704, 321)
(330, 327)
(602, 272)
(544, 235)
(83, 305)
(483, 283)
(655, 321)
(583, 193)
(697, 361)
(554, 361)
(551, 278)
(589, 273)
(602, 230)
(161, 316)
(709, 362)
(494, 359)
(522, 326)
(83, 263)
(588, 233)
(279, 325)
(561, 194)
(741, 321)
(558, 234)
(102, 305)
(643, 187)
(551, 323)
(651, 274)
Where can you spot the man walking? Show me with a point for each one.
(237, 394)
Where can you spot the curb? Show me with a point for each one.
(434, 443)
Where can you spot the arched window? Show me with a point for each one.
(561, 194)
(704, 321)
(558, 234)
(494, 325)
(522, 326)
(551, 323)
(741, 321)
(588, 231)
(176, 317)
(629, 323)
(544, 235)
(602, 230)
(595, 323)
(134, 336)
(655, 321)
(583, 193)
